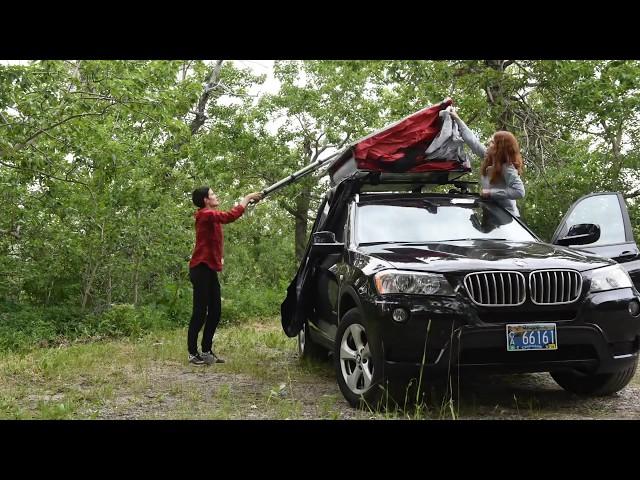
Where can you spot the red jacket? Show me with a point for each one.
(209, 240)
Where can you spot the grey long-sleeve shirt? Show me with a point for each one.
(505, 190)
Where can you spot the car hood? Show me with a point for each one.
(471, 255)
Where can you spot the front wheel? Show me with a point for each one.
(358, 362)
(595, 384)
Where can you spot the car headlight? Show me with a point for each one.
(609, 278)
(416, 283)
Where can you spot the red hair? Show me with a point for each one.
(503, 150)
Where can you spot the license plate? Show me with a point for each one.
(531, 336)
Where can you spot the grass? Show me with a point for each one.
(149, 378)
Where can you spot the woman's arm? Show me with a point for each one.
(233, 214)
(223, 217)
(468, 136)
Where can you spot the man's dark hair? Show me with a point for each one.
(198, 196)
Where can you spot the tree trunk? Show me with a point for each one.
(302, 205)
(301, 216)
(88, 284)
(497, 98)
(212, 82)
(136, 270)
(49, 291)
(109, 288)
(615, 139)
(91, 271)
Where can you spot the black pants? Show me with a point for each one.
(206, 307)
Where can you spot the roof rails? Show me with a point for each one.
(414, 182)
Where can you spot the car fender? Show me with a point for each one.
(343, 307)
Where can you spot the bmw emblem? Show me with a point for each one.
(520, 263)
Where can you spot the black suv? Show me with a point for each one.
(396, 280)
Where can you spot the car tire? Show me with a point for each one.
(595, 384)
(307, 348)
(359, 362)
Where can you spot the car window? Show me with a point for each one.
(604, 211)
(424, 221)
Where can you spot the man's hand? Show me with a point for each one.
(485, 193)
(453, 112)
(251, 198)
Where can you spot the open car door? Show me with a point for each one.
(612, 236)
(297, 305)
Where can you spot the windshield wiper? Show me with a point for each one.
(468, 239)
(379, 243)
(429, 242)
(430, 206)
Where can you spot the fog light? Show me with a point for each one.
(400, 315)
(634, 308)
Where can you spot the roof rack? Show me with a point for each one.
(346, 168)
(415, 182)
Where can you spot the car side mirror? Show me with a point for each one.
(325, 243)
(324, 237)
(580, 234)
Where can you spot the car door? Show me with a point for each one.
(294, 308)
(326, 281)
(609, 211)
(300, 301)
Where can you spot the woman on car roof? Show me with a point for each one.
(501, 165)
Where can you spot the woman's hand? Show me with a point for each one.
(251, 198)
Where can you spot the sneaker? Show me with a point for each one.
(196, 360)
(210, 357)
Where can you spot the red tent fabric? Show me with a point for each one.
(386, 147)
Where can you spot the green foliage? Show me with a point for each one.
(25, 327)
(128, 321)
(29, 326)
(243, 303)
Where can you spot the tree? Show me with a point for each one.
(322, 106)
(94, 154)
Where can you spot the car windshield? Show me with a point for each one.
(436, 220)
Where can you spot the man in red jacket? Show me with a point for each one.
(206, 262)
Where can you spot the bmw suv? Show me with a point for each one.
(397, 280)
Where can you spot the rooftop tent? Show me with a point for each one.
(399, 147)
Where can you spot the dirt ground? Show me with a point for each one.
(263, 378)
(177, 391)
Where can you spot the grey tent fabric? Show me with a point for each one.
(448, 145)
